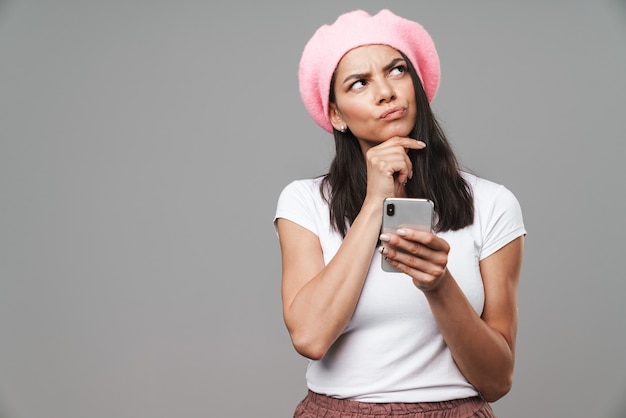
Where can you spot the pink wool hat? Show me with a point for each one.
(331, 42)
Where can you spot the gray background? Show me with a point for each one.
(143, 145)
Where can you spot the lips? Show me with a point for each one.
(393, 113)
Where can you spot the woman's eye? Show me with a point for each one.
(400, 69)
(357, 85)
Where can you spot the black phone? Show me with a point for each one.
(399, 212)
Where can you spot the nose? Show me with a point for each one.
(386, 92)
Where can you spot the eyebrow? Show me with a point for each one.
(360, 76)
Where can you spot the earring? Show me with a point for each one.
(342, 128)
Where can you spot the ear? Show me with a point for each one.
(335, 117)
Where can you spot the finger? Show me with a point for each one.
(408, 252)
(425, 238)
(403, 177)
(426, 266)
(417, 250)
(406, 143)
(394, 162)
(426, 282)
(419, 268)
(403, 145)
(414, 249)
(399, 162)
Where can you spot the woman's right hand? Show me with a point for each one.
(389, 166)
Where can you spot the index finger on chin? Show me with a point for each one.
(410, 143)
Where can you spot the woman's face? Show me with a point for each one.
(374, 95)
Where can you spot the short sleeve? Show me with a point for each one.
(297, 204)
(504, 222)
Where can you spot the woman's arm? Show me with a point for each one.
(483, 347)
(319, 301)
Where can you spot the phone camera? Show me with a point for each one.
(391, 209)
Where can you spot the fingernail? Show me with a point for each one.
(385, 237)
(422, 143)
(401, 232)
(382, 250)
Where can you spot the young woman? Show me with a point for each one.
(438, 340)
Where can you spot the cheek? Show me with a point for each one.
(413, 113)
(412, 108)
(359, 114)
(357, 109)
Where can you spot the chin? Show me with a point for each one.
(402, 131)
(383, 135)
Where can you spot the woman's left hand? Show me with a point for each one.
(420, 254)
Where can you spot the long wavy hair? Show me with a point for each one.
(436, 172)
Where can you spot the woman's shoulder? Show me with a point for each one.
(483, 188)
(301, 202)
(480, 183)
(303, 186)
(498, 214)
(303, 190)
(490, 194)
(492, 198)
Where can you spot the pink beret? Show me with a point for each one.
(331, 42)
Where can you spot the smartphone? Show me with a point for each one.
(399, 212)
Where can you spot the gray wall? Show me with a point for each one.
(143, 145)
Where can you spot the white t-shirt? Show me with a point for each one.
(392, 350)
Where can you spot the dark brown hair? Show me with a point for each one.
(436, 172)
